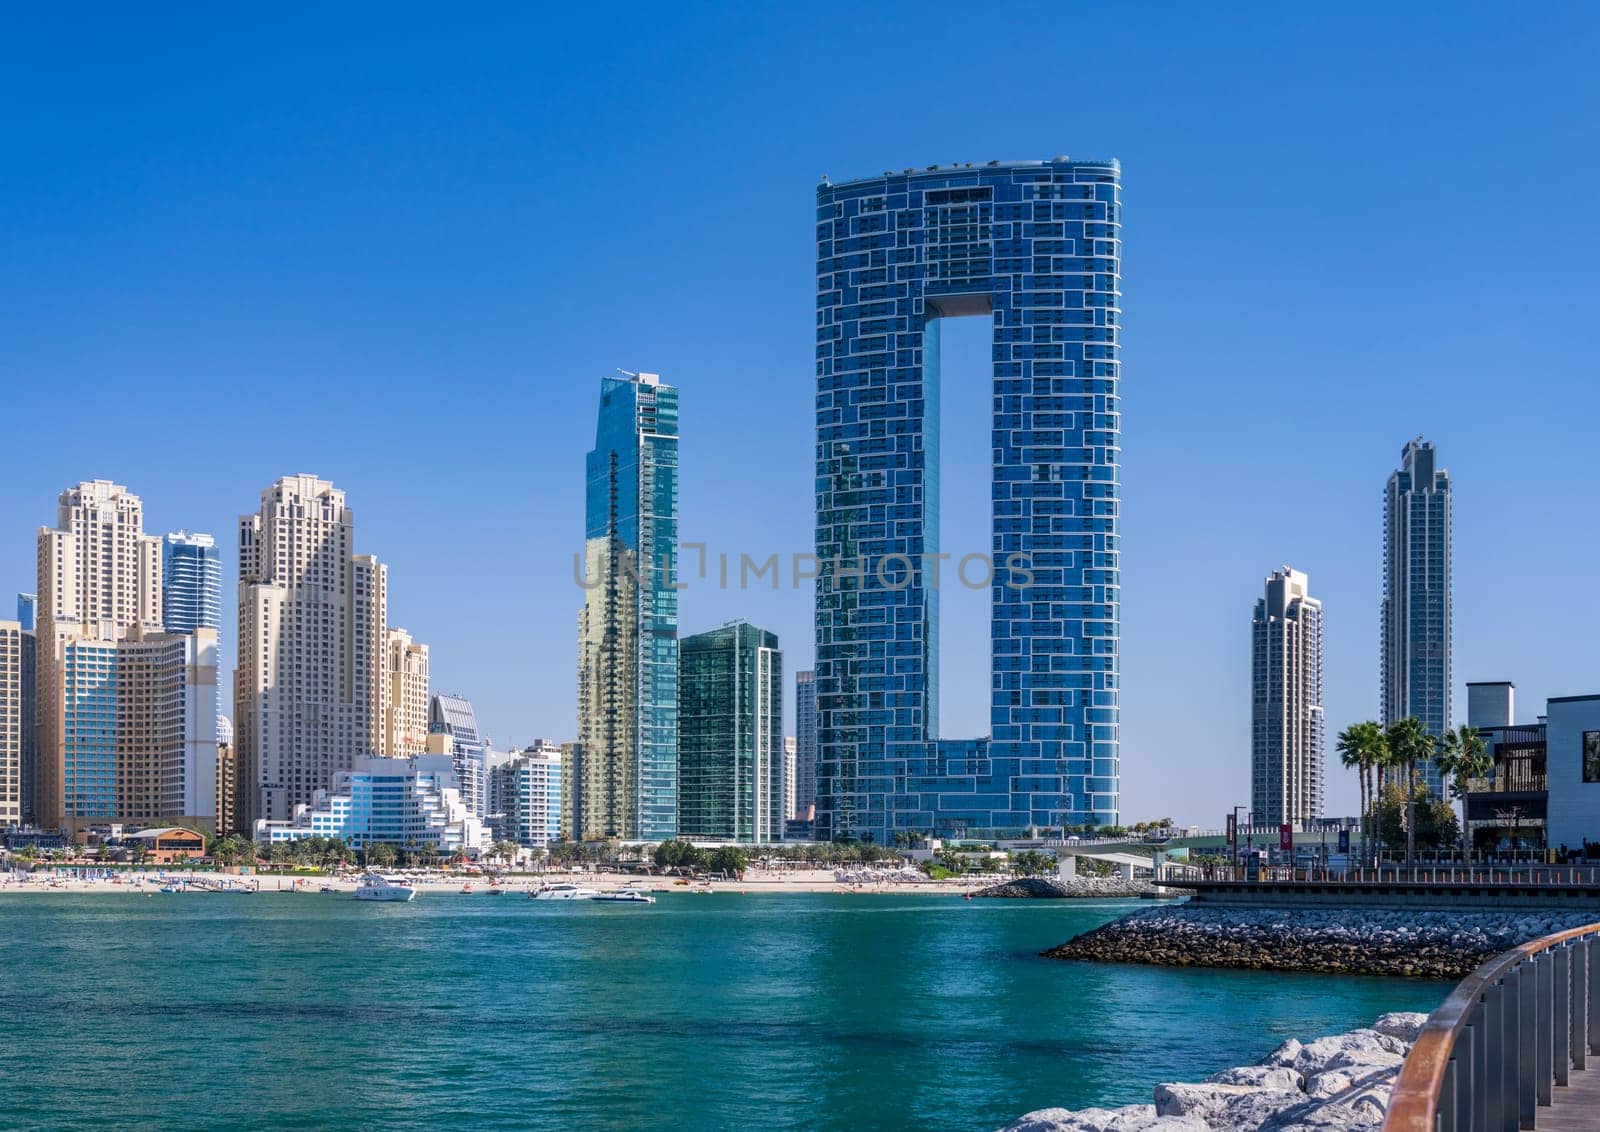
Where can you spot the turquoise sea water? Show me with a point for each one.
(700, 1012)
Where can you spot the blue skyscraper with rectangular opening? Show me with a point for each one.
(1035, 248)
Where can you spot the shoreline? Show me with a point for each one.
(796, 881)
(1339, 1081)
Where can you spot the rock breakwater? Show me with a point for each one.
(1354, 941)
(1077, 887)
(1335, 1082)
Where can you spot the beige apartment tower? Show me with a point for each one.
(15, 642)
(312, 617)
(405, 697)
(99, 579)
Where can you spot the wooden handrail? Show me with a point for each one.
(1413, 1105)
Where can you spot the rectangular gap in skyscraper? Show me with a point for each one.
(966, 464)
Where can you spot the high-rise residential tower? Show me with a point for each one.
(453, 730)
(1286, 720)
(312, 619)
(731, 784)
(625, 779)
(19, 670)
(15, 722)
(403, 703)
(1416, 596)
(191, 583)
(1034, 248)
(805, 742)
(99, 580)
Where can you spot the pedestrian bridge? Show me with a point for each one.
(1067, 861)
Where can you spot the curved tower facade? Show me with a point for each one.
(1034, 247)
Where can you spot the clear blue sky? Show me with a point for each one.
(400, 251)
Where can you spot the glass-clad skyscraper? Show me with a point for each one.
(805, 740)
(625, 774)
(1034, 248)
(191, 583)
(1416, 596)
(731, 770)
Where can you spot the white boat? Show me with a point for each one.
(376, 886)
(624, 896)
(564, 892)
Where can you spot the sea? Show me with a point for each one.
(703, 1011)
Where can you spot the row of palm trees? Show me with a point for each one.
(1376, 753)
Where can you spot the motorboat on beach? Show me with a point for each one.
(376, 886)
(563, 891)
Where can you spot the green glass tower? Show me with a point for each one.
(730, 735)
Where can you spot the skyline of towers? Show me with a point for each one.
(1416, 609)
(1034, 247)
(625, 777)
(309, 688)
(191, 582)
(1287, 725)
(731, 768)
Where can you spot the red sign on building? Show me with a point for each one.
(1286, 837)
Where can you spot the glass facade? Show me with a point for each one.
(90, 711)
(627, 778)
(191, 583)
(1034, 247)
(731, 754)
(805, 742)
(1416, 596)
(454, 718)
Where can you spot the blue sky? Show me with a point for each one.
(400, 251)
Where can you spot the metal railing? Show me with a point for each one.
(1515, 1028)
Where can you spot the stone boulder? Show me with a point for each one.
(1404, 1025)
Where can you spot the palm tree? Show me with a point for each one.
(1463, 757)
(1409, 744)
(1363, 746)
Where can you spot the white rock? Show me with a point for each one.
(1132, 1118)
(1261, 1076)
(1213, 1103)
(1286, 1054)
(1402, 1025)
(1329, 1083)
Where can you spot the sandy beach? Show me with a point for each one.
(754, 882)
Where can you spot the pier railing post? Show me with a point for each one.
(1519, 1036)
(1592, 946)
(1561, 1030)
(1542, 1035)
(1494, 1044)
(1580, 1003)
(1464, 1062)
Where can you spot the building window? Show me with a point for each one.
(1591, 756)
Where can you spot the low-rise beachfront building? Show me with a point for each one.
(168, 844)
(409, 803)
(1544, 792)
